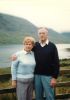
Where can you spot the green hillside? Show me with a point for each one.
(14, 29)
(66, 34)
(57, 37)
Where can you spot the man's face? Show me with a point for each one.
(43, 34)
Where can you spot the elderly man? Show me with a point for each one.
(47, 66)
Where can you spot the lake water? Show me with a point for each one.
(7, 50)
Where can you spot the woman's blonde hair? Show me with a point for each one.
(29, 39)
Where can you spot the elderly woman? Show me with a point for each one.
(22, 70)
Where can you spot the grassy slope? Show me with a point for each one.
(58, 90)
(13, 29)
(5, 70)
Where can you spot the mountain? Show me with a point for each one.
(66, 34)
(58, 37)
(14, 29)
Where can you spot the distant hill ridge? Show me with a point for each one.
(14, 29)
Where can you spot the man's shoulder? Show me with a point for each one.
(35, 46)
(52, 44)
(37, 43)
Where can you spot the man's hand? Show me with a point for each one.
(14, 83)
(53, 82)
(13, 57)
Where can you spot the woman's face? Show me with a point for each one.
(28, 46)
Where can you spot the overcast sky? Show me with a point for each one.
(50, 13)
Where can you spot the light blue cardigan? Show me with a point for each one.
(23, 66)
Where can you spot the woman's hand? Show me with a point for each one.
(14, 83)
(53, 82)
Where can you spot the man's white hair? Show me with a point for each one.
(42, 29)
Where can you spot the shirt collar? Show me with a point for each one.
(47, 42)
(25, 52)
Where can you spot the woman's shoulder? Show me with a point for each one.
(19, 53)
(32, 52)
